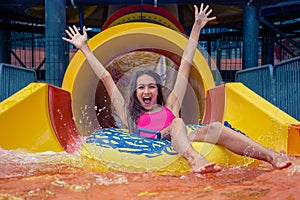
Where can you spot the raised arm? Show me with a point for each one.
(175, 99)
(80, 41)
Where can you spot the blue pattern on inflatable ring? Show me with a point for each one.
(127, 142)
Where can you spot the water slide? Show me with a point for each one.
(42, 117)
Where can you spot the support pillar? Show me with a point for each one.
(268, 41)
(250, 35)
(4, 47)
(55, 20)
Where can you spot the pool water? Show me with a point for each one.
(50, 175)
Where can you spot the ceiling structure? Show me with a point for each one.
(29, 14)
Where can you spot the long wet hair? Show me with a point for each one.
(134, 106)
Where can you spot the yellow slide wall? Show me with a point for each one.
(259, 119)
(25, 122)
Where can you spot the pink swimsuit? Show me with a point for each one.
(156, 121)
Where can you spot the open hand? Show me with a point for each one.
(77, 39)
(201, 17)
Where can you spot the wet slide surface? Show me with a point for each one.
(60, 176)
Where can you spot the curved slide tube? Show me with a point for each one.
(145, 13)
(82, 83)
(33, 120)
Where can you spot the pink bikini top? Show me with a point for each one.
(156, 121)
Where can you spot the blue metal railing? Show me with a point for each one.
(288, 86)
(279, 84)
(13, 78)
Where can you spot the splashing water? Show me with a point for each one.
(52, 175)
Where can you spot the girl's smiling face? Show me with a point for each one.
(147, 91)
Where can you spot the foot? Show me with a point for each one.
(207, 168)
(280, 161)
(199, 164)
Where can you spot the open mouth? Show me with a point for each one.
(147, 100)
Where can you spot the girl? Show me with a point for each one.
(147, 109)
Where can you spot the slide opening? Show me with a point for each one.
(123, 68)
(126, 43)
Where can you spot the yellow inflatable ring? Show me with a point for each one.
(113, 149)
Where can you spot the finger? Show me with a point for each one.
(71, 31)
(201, 7)
(84, 31)
(205, 9)
(208, 13)
(68, 33)
(211, 18)
(196, 8)
(66, 39)
(76, 30)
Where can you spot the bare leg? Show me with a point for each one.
(182, 145)
(216, 133)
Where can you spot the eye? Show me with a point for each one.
(140, 87)
(152, 86)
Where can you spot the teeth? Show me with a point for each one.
(147, 100)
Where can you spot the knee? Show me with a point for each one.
(177, 122)
(176, 126)
(215, 128)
